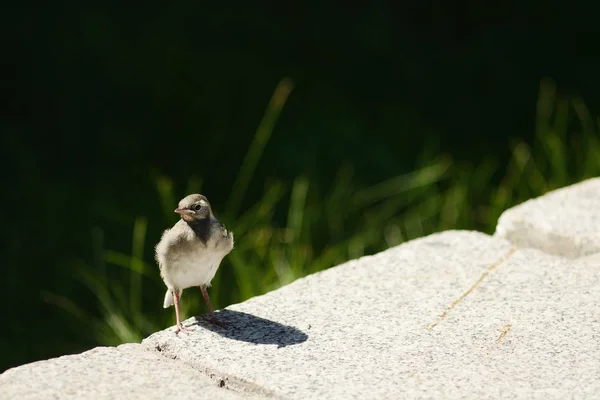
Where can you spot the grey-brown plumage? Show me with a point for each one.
(190, 253)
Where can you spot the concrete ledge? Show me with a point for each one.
(452, 315)
(124, 372)
(564, 222)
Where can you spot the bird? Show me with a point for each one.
(190, 252)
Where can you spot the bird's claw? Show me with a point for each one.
(181, 328)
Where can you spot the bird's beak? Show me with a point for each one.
(182, 211)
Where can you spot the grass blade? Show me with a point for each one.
(257, 147)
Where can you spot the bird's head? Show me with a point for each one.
(194, 208)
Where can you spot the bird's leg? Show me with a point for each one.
(211, 318)
(177, 296)
(207, 301)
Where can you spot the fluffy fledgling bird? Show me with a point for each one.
(190, 253)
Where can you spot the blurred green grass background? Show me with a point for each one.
(328, 226)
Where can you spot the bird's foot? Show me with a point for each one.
(181, 328)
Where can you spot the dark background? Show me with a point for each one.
(101, 99)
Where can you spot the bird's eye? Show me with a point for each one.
(197, 207)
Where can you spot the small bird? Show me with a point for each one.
(190, 253)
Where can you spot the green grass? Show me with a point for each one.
(328, 226)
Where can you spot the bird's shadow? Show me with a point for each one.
(252, 329)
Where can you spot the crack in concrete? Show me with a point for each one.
(221, 379)
(477, 282)
(507, 328)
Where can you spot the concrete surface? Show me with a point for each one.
(564, 222)
(452, 315)
(124, 372)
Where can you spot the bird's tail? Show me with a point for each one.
(168, 299)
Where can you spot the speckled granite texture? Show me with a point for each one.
(124, 372)
(452, 315)
(564, 222)
(455, 315)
